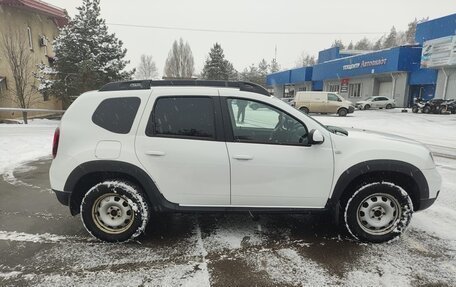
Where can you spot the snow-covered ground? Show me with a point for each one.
(192, 250)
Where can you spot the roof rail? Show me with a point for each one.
(147, 84)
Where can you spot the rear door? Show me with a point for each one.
(180, 144)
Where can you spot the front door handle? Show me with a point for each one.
(243, 157)
(155, 153)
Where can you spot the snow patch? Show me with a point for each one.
(26, 237)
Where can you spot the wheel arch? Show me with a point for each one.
(86, 175)
(402, 173)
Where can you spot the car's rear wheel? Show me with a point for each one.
(378, 212)
(342, 112)
(366, 107)
(304, 110)
(115, 211)
(389, 106)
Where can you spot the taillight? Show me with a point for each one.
(55, 142)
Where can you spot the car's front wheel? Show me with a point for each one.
(342, 112)
(115, 211)
(378, 212)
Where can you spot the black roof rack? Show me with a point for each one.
(147, 84)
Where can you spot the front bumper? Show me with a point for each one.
(425, 203)
(63, 196)
(351, 109)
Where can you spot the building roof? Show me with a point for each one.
(59, 15)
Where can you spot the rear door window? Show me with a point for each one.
(183, 117)
(116, 114)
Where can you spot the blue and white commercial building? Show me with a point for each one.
(426, 69)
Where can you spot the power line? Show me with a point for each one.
(243, 31)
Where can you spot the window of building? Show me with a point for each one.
(30, 39)
(334, 88)
(117, 114)
(354, 90)
(2, 85)
(183, 117)
(255, 122)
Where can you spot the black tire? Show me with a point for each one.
(342, 112)
(442, 110)
(366, 107)
(415, 109)
(389, 106)
(427, 109)
(304, 110)
(115, 211)
(378, 212)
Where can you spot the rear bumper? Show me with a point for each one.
(63, 196)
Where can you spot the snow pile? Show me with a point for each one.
(23, 143)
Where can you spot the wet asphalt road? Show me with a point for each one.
(41, 244)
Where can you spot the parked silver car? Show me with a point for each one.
(378, 102)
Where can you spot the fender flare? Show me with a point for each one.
(372, 166)
(156, 198)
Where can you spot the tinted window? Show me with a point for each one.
(182, 117)
(260, 123)
(117, 114)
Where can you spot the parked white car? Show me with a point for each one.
(379, 102)
(197, 146)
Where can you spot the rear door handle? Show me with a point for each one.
(155, 153)
(243, 157)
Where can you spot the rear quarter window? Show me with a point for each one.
(117, 114)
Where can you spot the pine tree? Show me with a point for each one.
(410, 33)
(180, 63)
(274, 67)
(350, 46)
(217, 67)
(391, 39)
(338, 43)
(87, 55)
(378, 44)
(363, 44)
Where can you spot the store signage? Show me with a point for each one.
(364, 64)
(439, 52)
(344, 86)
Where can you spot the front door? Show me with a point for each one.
(270, 164)
(333, 104)
(182, 150)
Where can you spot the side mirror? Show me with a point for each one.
(315, 137)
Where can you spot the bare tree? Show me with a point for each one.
(179, 63)
(146, 68)
(17, 55)
(305, 60)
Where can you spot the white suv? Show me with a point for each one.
(138, 147)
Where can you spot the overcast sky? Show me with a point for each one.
(320, 16)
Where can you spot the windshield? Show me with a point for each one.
(368, 99)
